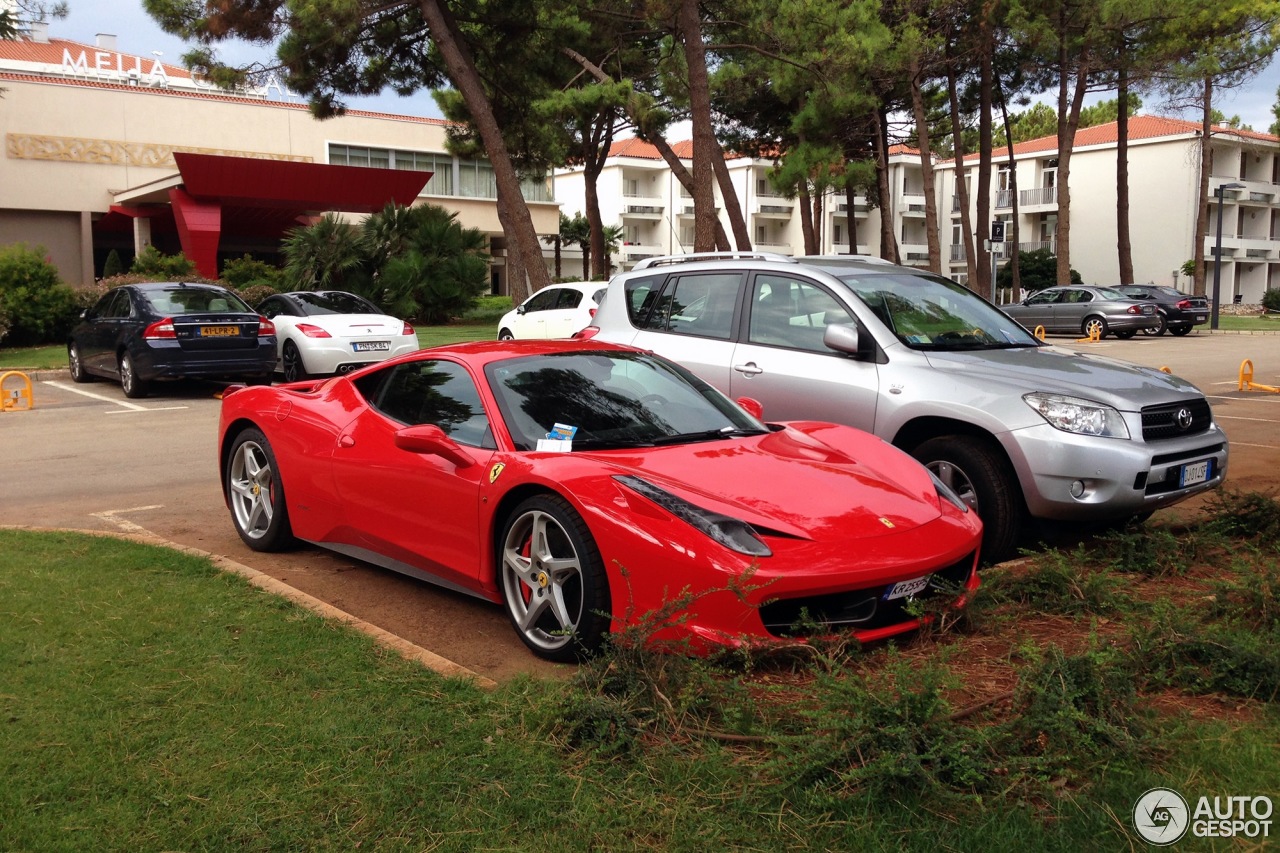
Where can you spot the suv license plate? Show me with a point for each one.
(904, 588)
(1195, 472)
(371, 346)
(219, 331)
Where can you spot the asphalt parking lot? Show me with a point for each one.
(87, 458)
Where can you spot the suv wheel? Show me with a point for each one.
(981, 476)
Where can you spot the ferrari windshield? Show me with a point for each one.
(928, 312)
(610, 399)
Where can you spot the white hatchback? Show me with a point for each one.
(322, 332)
(556, 311)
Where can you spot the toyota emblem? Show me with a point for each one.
(1183, 419)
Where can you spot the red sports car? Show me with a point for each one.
(585, 486)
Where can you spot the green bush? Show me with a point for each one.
(255, 293)
(112, 265)
(40, 308)
(244, 272)
(1271, 299)
(1036, 270)
(152, 262)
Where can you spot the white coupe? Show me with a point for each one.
(322, 332)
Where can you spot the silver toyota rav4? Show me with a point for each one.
(1017, 428)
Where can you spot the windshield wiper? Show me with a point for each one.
(708, 435)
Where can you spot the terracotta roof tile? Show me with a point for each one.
(1140, 127)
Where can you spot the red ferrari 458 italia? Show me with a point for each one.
(585, 486)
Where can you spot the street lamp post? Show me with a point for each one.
(1217, 254)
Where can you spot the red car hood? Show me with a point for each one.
(791, 483)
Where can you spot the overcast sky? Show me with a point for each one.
(137, 33)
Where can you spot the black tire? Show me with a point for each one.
(78, 373)
(983, 478)
(1179, 331)
(134, 387)
(291, 362)
(533, 590)
(256, 494)
(506, 335)
(1127, 334)
(1157, 330)
(1090, 323)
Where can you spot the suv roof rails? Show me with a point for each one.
(866, 259)
(663, 260)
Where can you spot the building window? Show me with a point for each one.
(440, 165)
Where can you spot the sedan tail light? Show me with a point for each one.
(160, 330)
(1184, 305)
(1133, 309)
(593, 313)
(407, 330)
(586, 334)
(266, 327)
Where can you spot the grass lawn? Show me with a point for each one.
(151, 702)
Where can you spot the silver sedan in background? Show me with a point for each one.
(1085, 309)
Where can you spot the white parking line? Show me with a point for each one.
(128, 406)
(1238, 418)
(123, 524)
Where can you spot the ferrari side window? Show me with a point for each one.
(435, 392)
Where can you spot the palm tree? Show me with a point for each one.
(613, 235)
(328, 255)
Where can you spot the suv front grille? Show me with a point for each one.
(1174, 420)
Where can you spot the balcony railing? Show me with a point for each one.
(1004, 198)
(1039, 195)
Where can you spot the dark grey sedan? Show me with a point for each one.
(138, 333)
(1179, 312)
(1086, 310)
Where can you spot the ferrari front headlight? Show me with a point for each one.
(730, 532)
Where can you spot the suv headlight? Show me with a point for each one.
(1083, 417)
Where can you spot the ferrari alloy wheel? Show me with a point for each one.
(978, 473)
(553, 580)
(134, 387)
(294, 369)
(78, 373)
(256, 495)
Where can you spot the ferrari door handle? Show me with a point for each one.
(748, 369)
(346, 441)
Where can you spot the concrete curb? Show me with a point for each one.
(430, 660)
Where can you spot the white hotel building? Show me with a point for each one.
(638, 192)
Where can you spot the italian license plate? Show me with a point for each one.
(1200, 318)
(1195, 472)
(219, 331)
(371, 346)
(902, 589)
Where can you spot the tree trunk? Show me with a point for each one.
(926, 169)
(1015, 293)
(806, 219)
(591, 168)
(851, 220)
(732, 206)
(888, 240)
(705, 147)
(962, 183)
(1124, 248)
(986, 76)
(522, 237)
(1069, 104)
(557, 245)
(1206, 169)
